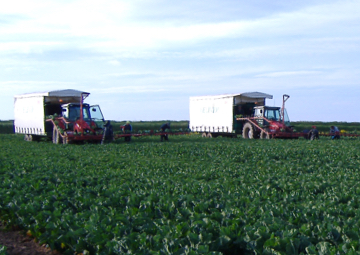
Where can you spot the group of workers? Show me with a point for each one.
(314, 133)
(127, 129)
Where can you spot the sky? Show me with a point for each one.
(142, 60)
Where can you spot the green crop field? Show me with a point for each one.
(190, 195)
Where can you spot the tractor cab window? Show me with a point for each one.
(259, 112)
(65, 112)
(286, 118)
(96, 115)
(86, 113)
(272, 114)
(73, 112)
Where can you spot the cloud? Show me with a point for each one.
(21, 87)
(120, 49)
(110, 27)
(27, 47)
(114, 62)
(129, 89)
(290, 73)
(311, 28)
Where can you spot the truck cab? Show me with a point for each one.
(271, 114)
(92, 113)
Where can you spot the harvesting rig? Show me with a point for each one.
(240, 114)
(63, 117)
(268, 122)
(60, 115)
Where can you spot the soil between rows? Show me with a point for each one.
(17, 243)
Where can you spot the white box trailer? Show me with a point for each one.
(30, 111)
(216, 115)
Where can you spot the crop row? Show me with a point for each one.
(188, 196)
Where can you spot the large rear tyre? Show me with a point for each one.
(248, 131)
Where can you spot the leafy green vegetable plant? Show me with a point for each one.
(188, 196)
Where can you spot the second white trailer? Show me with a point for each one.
(216, 115)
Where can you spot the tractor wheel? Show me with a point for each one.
(264, 135)
(248, 131)
(56, 136)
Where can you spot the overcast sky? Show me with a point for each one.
(142, 60)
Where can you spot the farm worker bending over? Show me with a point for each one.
(108, 135)
(313, 133)
(162, 129)
(334, 132)
(127, 130)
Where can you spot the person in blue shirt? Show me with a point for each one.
(162, 129)
(334, 132)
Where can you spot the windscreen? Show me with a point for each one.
(272, 114)
(74, 112)
(97, 116)
(96, 113)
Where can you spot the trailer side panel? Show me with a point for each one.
(29, 115)
(211, 114)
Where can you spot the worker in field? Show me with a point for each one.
(313, 133)
(127, 130)
(108, 135)
(334, 132)
(163, 129)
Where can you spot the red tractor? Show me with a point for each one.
(268, 122)
(78, 122)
